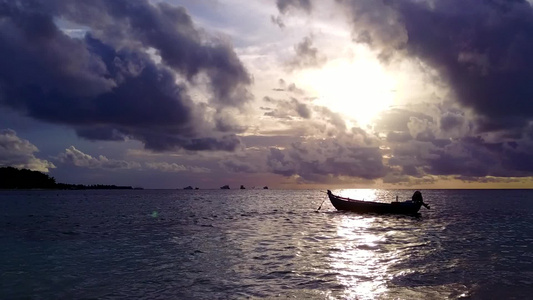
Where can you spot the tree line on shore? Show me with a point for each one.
(13, 178)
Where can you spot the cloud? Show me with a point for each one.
(238, 165)
(278, 21)
(322, 122)
(174, 167)
(287, 109)
(468, 157)
(292, 88)
(307, 56)
(480, 49)
(316, 149)
(442, 143)
(285, 6)
(107, 84)
(396, 119)
(19, 153)
(77, 158)
(398, 137)
(352, 155)
(330, 118)
(425, 122)
(377, 24)
(464, 158)
(227, 121)
(450, 121)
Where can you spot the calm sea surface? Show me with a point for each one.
(239, 244)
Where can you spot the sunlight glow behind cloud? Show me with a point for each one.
(359, 89)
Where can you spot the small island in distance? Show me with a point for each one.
(226, 187)
(13, 178)
(190, 188)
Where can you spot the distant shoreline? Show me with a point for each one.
(24, 179)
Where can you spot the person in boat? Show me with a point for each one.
(417, 197)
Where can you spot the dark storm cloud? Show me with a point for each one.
(351, 155)
(481, 49)
(171, 31)
(466, 157)
(445, 145)
(450, 121)
(162, 142)
(307, 56)
(474, 157)
(377, 24)
(519, 160)
(450, 161)
(100, 133)
(105, 84)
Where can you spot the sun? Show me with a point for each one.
(359, 89)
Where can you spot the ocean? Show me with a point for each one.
(263, 244)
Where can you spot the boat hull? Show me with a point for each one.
(358, 206)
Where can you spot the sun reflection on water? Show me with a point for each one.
(360, 258)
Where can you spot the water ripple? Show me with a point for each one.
(262, 244)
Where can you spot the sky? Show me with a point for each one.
(285, 94)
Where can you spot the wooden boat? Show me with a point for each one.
(405, 207)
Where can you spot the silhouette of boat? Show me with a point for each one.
(225, 187)
(405, 207)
